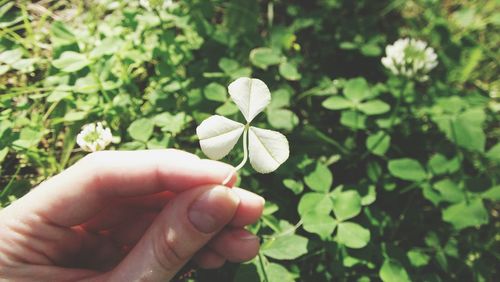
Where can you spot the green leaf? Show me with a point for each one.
(407, 169)
(417, 257)
(337, 103)
(289, 71)
(70, 61)
(451, 248)
(3, 153)
(374, 107)
(465, 129)
(439, 164)
(494, 153)
(241, 72)
(172, 123)
(492, 193)
(473, 59)
(348, 45)
(315, 202)
(277, 272)
(468, 128)
(353, 119)
(264, 57)
(74, 116)
(132, 146)
(280, 98)
(431, 194)
(9, 57)
(87, 84)
(296, 186)
(61, 34)
(29, 138)
(215, 92)
(108, 46)
(352, 235)
(320, 179)
(57, 95)
(393, 271)
(449, 191)
(466, 214)
(228, 65)
(318, 223)
(357, 89)
(227, 109)
(378, 143)
(346, 204)
(286, 247)
(368, 195)
(282, 119)
(159, 143)
(141, 129)
(4, 69)
(24, 65)
(371, 50)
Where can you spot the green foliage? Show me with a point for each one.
(407, 169)
(388, 179)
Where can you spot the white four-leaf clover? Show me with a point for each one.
(218, 135)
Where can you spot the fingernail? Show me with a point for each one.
(244, 235)
(262, 200)
(213, 209)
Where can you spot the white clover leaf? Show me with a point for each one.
(268, 149)
(218, 135)
(251, 95)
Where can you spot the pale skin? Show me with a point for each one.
(128, 216)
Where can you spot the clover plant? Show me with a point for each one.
(267, 149)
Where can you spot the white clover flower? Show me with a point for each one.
(411, 58)
(156, 3)
(94, 137)
(267, 149)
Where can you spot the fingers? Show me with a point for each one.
(250, 208)
(236, 245)
(134, 222)
(81, 191)
(186, 225)
(209, 259)
(122, 211)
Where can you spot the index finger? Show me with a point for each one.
(84, 189)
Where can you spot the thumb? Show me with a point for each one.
(184, 226)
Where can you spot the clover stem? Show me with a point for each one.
(245, 156)
(263, 268)
(289, 231)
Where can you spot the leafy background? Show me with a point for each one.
(388, 179)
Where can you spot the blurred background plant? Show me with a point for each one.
(388, 178)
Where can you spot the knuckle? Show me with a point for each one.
(167, 255)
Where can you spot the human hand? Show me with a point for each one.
(128, 216)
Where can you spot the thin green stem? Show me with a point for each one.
(6, 189)
(245, 156)
(286, 232)
(261, 261)
(317, 133)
